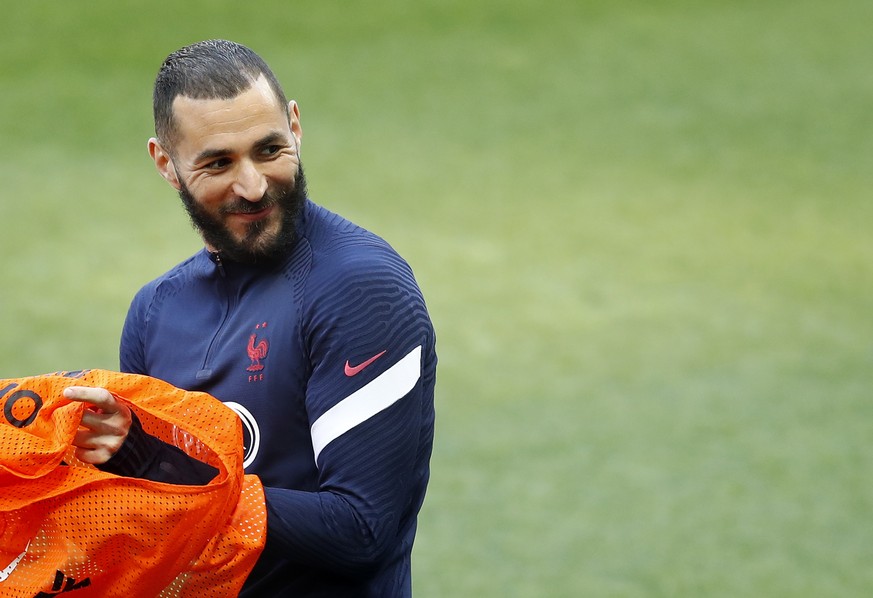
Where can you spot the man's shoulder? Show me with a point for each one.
(344, 255)
(338, 243)
(177, 274)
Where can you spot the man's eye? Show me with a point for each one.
(271, 150)
(217, 164)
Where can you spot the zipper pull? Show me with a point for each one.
(216, 257)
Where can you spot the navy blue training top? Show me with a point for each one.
(329, 359)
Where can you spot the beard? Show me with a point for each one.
(258, 245)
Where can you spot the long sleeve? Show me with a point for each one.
(370, 403)
(349, 524)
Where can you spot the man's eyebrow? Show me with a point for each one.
(211, 154)
(271, 138)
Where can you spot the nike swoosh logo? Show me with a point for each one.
(8, 570)
(353, 370)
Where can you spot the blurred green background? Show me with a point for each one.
(643, 229)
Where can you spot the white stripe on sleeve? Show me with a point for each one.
(391, 386)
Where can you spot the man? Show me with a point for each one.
(312, 329)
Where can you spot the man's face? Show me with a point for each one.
(236, 165)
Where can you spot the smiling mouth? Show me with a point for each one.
(255, 215)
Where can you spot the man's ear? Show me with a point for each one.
(164, 163)
(294, 119)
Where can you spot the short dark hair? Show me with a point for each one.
(208, 70)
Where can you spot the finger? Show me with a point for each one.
(85, 439)
(96, 456)
(98, 397)
(107, 424)
(96, 448)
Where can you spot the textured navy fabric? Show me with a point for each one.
(283, 344)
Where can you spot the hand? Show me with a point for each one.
(104, 426)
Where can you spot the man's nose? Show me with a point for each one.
(250, 183)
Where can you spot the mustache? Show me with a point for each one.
(242, 206)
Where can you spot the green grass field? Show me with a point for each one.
(644, 229)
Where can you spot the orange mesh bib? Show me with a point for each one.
(67, 528)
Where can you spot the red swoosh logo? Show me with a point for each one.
(353, 370)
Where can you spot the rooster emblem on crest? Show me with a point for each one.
(257, 352)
